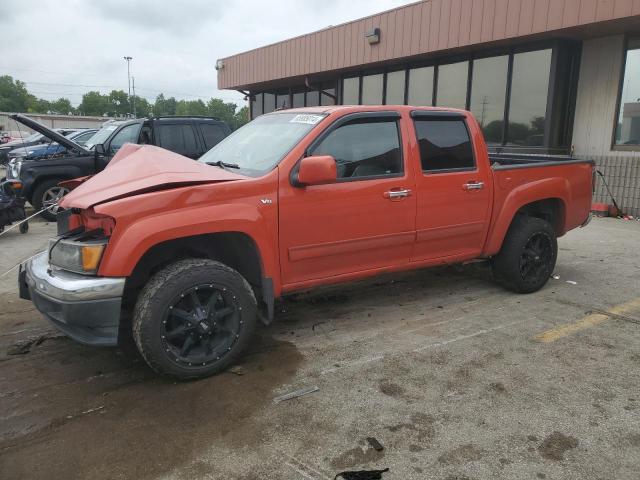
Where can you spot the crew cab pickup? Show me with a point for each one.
(41, 178)
(188, 256)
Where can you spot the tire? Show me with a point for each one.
(528, 255)
(44, 194)
(164, 321)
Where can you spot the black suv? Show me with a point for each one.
(188, 136)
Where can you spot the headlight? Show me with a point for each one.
(78, 257)
(14, 168)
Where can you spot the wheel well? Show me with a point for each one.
(549, 209)
(234, 249)
(43, 179)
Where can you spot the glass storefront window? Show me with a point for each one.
(420, 86)
(452, 85)
(488, 93)
(282, 100)
(298, 99)
(330, 87)
(256, 105)
(528, 105)
(350, 91)
(395, 88)
(372, 89)
(269, 102)
(313, 99)
(628, 125)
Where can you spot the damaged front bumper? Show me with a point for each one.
(85, 308)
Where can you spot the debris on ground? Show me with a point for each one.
(238, 370)
(295, 394)
(572, 282)
(555, 276)
(375, 444)
(24, 346)
(362, 475)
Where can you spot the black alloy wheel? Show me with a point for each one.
(528, 255)
(201, 325)
(536, 259)
(194, 318)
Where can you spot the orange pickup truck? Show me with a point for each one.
(187, 256)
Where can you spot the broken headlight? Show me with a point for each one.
(79, 257)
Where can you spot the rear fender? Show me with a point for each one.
(548, 188)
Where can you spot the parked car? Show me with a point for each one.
(189, 136)
(51, 149)
(187, 256)
(29, 141)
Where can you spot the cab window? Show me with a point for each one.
(364, 148)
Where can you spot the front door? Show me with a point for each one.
(453, 190)
(364, 221)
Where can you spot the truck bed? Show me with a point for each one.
(508, 161)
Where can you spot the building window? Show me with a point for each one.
(528, 103)
(269, 102)
(298, 99)
(282, 100)
(330, 88)
(452, 85)
(350, 91)
(420, 86)
(256, 105)
(395, 88)
(444, 145)
(313, 99)
(364, 148)
(627, 132)
(488, 93)
(372, 89)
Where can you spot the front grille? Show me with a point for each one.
(63, 221)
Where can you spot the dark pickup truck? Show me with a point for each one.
(188, 136)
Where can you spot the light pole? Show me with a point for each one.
(128, 59)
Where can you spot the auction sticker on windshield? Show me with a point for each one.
(306, 118)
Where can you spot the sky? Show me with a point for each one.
(66, 48)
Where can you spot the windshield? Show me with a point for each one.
(101, 135)
(261, 144)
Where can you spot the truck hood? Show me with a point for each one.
(137, 169)
(51, 134)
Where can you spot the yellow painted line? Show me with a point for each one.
(589, 321)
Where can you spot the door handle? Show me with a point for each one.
(473, 186)
(396, 194)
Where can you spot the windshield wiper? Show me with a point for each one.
(222, 164)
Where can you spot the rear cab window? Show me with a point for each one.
(444, 143)
(212, 134)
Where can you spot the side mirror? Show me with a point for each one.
(317, 170)
(99, 149)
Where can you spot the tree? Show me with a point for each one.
(224, 111)
(14, 96)
(119, 103)
(191, 107)
(94, 103)
(143, 107)
(62, 106)
(241, 117)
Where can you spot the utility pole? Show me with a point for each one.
(133, 84)
(128, 59)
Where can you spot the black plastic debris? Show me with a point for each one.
(375, 444)
(362, 475)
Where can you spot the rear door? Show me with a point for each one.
(453, 189)
(364, 221)
(179, 137)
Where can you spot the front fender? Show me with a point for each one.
(131, 241)
(547, 188)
